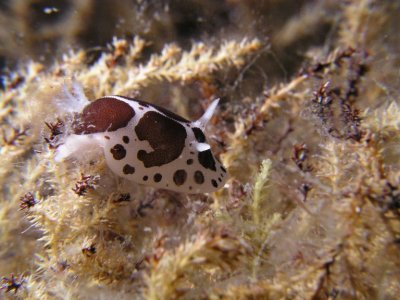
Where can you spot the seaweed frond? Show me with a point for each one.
(261, 181)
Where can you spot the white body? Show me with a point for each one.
(194, 170)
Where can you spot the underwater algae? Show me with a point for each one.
(311, 206)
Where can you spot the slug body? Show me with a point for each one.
(147, 144)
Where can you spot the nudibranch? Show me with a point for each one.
(147, 144)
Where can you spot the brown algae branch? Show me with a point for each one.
(272, 100)
(245, 127)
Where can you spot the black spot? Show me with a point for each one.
(219, 179)
(199, 135)
(180, 177)
(107, 137)
(189, 161)
(145, 178)
(198, 177)
(141, 155)
(164, 135)
(128, 169)
(104, 114)
(206, 159)
(157, 177)
(118, 152)
(141, 107)
(125, 139)
(223, 169)
(214, 183)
